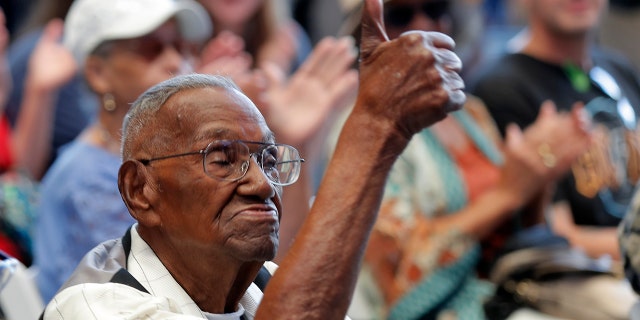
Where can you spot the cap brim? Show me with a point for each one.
(195, 25)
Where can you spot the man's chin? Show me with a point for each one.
(264, 250)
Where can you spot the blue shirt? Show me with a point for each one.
(80, 207)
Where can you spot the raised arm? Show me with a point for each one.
(50, 67)
(401, 92)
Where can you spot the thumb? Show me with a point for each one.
(581, 117)
(273, 74)
(373, 30)
(514, 136)
(547, 109)
(53, 30)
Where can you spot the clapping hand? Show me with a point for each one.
(51, 65)
(297, 107)
(545, 151)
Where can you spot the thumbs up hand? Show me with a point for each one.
(411, 81)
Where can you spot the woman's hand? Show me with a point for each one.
(545, 151)
(297, 107)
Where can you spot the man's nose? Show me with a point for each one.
(256, 181)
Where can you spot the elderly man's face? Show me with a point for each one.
(238, 219)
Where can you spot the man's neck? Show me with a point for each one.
(215, 286)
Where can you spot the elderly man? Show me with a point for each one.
(203, 177)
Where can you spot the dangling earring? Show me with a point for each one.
(108, 102)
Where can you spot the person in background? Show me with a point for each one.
(629, 240)
(203, 175)
(263, 32)
(75, 104)
(25, 148)
(456, 193)
(560, 60)
(123, 47)
(269, 33)
(617, 29)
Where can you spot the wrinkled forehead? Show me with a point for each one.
(205, 114)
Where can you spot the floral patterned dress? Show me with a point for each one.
(411, 269)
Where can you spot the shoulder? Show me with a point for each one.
(618, 64)
(109, 300)
(73, 158)
(504, 64)
(508, 70)
(81, 163)
(610, 56)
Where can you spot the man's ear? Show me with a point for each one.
(137, 192)
(96, 74)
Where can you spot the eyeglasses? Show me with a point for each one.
(151, 46)
(228, 160)
(401, 15)
(8, 266)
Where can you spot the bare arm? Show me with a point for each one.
(316, 278)
(524, 177)
(50, 67)
(595, 241)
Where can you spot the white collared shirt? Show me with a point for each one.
(167, 299)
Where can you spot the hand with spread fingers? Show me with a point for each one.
(225, 54)
(545, 150)
(51, 65)
(297, 107)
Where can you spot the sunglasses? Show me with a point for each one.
(401, 15)
(150, 47)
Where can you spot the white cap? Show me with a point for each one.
(91, 22)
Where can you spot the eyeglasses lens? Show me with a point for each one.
(281, 163)
(225, 159)
(150, 47)
(230, 160)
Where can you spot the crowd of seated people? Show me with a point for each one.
(532, 146)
